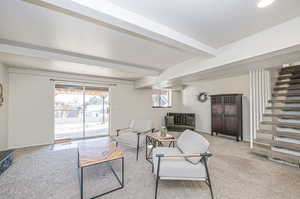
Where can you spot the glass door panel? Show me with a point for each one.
(96, 111)
(69, 112)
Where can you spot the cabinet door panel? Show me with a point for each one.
(230, 110)
(217, 105)
(217, 109)
(230, 125)
(230, 105)
(217, 113)
(230, 114)
(217, 123)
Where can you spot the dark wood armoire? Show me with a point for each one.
(227, 115)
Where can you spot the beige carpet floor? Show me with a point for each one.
(50, 172)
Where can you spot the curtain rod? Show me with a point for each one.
(84, 82)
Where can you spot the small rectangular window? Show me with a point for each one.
(162, 99)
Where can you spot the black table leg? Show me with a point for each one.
(137, 146)
(121, 182)
(146, 147)
(81, 182)
(123, 172)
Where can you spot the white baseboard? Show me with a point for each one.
(202, 131)
(29, 145)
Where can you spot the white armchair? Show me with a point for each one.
(134, 135)
(187, 161)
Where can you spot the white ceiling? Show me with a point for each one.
(25, 22)
(214, 22)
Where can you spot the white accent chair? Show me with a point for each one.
(134, 135)
(187, 161)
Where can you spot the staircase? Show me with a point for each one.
(279, 135)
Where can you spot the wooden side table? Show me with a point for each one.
(155, 140)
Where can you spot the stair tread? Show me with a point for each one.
(285, 156)
(288, 82)
(275, 155)
(284, 107)
(284, 101)
(286, 124)
(296, 71)
(280, 133)
(288, 94)
(290, 69)
(290, 87)
(275, 122)
(290, 116)
(286, 145)
(296, 76)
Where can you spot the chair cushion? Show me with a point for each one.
(177, 168)
(130, 138)
(191, 142)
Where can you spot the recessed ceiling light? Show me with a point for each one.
(264, 3)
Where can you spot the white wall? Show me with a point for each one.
(31, 106)
(4, 108)
(237, 84)
(130, 103)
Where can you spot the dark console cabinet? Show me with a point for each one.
(226, 115)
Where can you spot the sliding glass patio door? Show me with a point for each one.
(81, 111)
